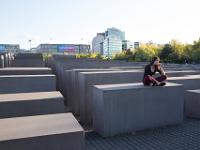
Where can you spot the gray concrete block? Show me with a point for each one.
(27, 83)
(190, 82)
(123, 108)
(2, 63)
(29, 104)
(25, 71)
(72, 87)
(3, 59)
(44, 132)
(28, 56)
(178, 73)
(28, 60)
(192, 103)
(28, 63)
(86, 81)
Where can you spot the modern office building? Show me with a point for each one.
(109, 42)
(63, 48)
(9, 47)
(136, 45)
(111, 46)
(113, 41)
(114, 32)
(126, 45)
(97, 43)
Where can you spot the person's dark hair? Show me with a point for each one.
(154, 59)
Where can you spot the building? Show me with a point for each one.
(113, 41)
(97, 43)
(63, 48)
(126, 44)
(136, 45)
(111, 46)
(9, 47)
(109, 42)
(114, 32)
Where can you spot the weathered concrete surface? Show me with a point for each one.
(190, 82)
(27, 83)
(44, 132)
(2, 65)
(71, 87)
(122, 108)
(192, 103)
(28, 60)
(86, 81)
(173, 73)
(25, 71)
(29, 104)
(28, 63)
(4, 59)
(28, 56)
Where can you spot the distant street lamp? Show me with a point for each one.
(30, 43)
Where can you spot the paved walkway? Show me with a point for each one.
(180, 137)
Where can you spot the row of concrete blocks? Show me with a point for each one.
(36, 120)
(62, 63)
(5, 59)
(88, 79)
(72, 85)
(59, 66)
(30, 121)
(81, 87)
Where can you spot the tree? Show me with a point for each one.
(165, 52)
(146, 51)
(196, 51)
(177, 54)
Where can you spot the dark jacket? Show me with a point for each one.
(147, 70)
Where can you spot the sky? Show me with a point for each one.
(78, 21)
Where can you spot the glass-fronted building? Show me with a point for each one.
(113, 41)
(97, 43)
(111, 46)
(9, 48)
(126, 44)
(114, 32)
(109, 42)
(63, 48)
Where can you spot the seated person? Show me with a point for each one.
(150, 70)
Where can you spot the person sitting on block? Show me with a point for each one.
(150, 70)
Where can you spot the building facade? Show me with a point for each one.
(109, 42)
(126, 45)
(136, 45)
(111, 46)
(97, 43)
(9, 47)
(114, 32)
(63, 48)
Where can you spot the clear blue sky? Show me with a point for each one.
(78, 21)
